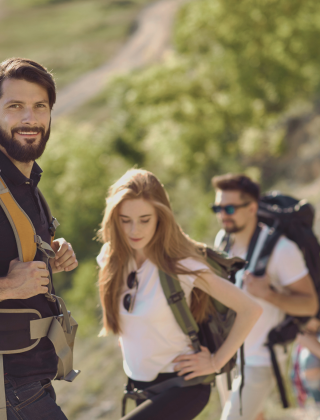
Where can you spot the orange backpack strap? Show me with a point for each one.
(22, 226)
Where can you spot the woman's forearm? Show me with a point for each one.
(243, 324)
(248, 311)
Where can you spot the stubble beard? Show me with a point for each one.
(234, 228)
(27, 152)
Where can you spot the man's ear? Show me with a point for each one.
(253, 207)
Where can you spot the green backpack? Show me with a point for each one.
(214, 331)
(211, 333)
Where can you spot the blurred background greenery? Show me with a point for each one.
(216, 104)
(238, 91)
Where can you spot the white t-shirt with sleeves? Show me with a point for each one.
(286, 266)
(151, 337)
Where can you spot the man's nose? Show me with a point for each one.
(29, 116)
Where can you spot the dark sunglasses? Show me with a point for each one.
(229, 209)
(129, 299)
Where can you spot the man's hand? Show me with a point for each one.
(24, 280)
(198, 364)
(307, 340)
(65, 259)
(257, 286)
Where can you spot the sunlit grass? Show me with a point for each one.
(68, 37)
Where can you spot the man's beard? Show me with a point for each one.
(233, 228)
(24, 152)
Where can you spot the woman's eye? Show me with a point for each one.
(125, 221)
(145, 221)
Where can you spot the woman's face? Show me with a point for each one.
(138, 219)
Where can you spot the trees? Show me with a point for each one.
(266, 49)
(211, 107)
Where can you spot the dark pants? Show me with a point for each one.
(34, 401)
(174, 404)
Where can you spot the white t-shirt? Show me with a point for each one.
(151, 337)
(286, 266)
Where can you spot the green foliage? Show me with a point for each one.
(79, 166)
(266, 49)
(213, 106)
(83, 299)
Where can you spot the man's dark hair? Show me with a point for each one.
(237, 182)
(24, 69)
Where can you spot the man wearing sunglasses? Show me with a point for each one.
(286, 288)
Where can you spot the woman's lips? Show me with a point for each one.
(135, 239)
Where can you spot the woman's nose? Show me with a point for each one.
(134, 227)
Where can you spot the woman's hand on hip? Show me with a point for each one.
(196, 364)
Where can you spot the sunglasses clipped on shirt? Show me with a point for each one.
(129, 299)
(229, 209)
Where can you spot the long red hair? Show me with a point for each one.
(168, 245)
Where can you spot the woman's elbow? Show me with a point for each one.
(253, 311)
(314, 306)
(257, 310)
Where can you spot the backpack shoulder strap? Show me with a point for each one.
(271, 238)
(222, 241)
(21, 224)
(176, 300)
(256, 247)
(53, 222)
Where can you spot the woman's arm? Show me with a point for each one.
(248, 312)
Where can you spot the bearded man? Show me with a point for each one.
(287, 288)
(27, 95)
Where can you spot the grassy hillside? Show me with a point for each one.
(69, 37)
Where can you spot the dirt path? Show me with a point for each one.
(2, 10)
(145, 46)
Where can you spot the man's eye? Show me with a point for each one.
(14, 106)
(145, 221)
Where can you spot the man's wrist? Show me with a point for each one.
(3, 289)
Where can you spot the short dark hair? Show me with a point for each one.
(237, 182)
(24, 69)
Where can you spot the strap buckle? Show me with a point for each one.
(195, 341)
(193, 336)
(176, 297)
(53, 226)
(44, 247)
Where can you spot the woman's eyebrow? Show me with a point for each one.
(144, 215)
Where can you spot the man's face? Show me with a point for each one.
(24, 119)
(238, 221)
